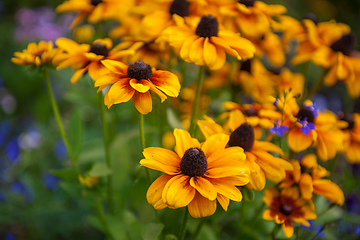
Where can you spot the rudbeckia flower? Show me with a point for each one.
(196, 175)
(308, 175)
(351, 131)
(86, 58)
(36, 54)
(94, 10)
(285, 208)
(203, 42)
(261, 163)
(135, 82)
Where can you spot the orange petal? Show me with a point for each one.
(210, 55)
(224, 201)
(178, 192)
(227, 189)
(77, 75)
(119, 92)
(141, 86)
(287, 228)
(166, 82)
(115, 66)
(162, 160)
(306, 186)
(142, 102)
(201, 207)
(204, 187)
(298, 141)
(154, 193)
(183, 141)
(215, 143)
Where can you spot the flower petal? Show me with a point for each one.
(306, 186)
(115, 66)
(166, 82)
(162, 160)
(119, 92)
(183, 141)
(201, 207)
(141, 86)
(298, 141)
(227, 189)
(287, 228)
(142, 102)
(154, 193)
(224, 201)
(178, 192)
(215, 143)
(204, 187)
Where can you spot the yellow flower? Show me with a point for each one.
(309, 177)
(351, 132)
(88, 181)
(36, 54)
(84, 34)
(196, 175)
(261, 163)
(94, 10)
(202, 41)
(288, 80)
(285, 208)
(86, 58)
(135, 82)
(252, 18)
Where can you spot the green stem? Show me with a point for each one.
(184, 224)
(102, 214)
(110, 195)
(306, 73)
(199, 227)
(275, 231)
(317, 85)
(258, 212)
(59, 121)
(196, 101)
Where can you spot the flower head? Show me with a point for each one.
(36, 54)
(285, 208)
(196, 175)
(135, 82)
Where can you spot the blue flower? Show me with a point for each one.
(51, 181)
(306, 126)
(12, 150)
(9, 236)
(313, 108)
(276, 102)
(278, 129)
(60, 151)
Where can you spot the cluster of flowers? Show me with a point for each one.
(240, 153)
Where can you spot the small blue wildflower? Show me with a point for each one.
(12, 150)
(313, 108)
(51, 181)
(9, 236)
(306, 126)
(357, 230)
(278, 129)
(276, 102)
(60, 151)
(2, 197)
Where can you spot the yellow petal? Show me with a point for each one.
(166, 82)
(224, 201)
(204, 187)
(215, 143)
(115, 66)
(267, 215)
(141, 86)
(183, 141)
(298, 141)
(162, 160)
(288, 228)
(201, 207)
(142, 102)
(210, 55)
(178, 192)
(306, 186)
(75, 77)
(196, 51)
(119, 92)
(227, 189)
(154, 193)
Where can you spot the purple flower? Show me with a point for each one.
(51, 181)
(278, 129)
(313, 108)
(306, 126)
(276, 102)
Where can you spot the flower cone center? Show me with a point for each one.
(350, 120)
(305, 112)
(248, 3)
(312, 17)
(179, 7)
(345, 44)
(246, 66)
(286, 209)
(139, 70)
(243, 137)
(207, 27)
(95, 2)
(193, 163)
(99, 49)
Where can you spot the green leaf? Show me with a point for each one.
(116, 227)
(152, 231)
(74, 133)
(66, 174)
(249, 195)
(99, 170)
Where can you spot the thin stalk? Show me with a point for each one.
(110, 195)
(275, 231)
(317, 85)
(59, 121)
(102, 214)
(258, 212)
(184, 224)
(196, 101)
(198, 229)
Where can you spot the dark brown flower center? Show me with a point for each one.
(248, 3)
(95, 2)
(350, 120)
(208, 27)
(139, 70)
(250, 112)
(303, 169)
(345, 44)
(179, 7)
(312, 17)
(243, 137)
(99, 49)
(193, 163)
(286, 209)
(305, 112)
(246, 66)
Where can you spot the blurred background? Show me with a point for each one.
(34, 204)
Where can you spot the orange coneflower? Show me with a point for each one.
(196, 175)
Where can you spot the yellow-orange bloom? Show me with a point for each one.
(86, 58)
(135, 82)
(36, 54)
(203, 42)
(286, 207)
(351, 132)
(196, 175)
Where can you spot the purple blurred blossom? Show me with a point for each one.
(60, 151)
(51, 181)
(278, 129)
(12, 150)
(306, 126)
(9, 236)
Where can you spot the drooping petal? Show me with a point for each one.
(154, 193)
(167, 82)
(96, 70)
(267, 215)
(178, 192)
(142, 102)
(196, 51)
(141, 86)
(119, 92)
(288, 228)
(162, 160)
(227, 189)
(201, 207)
(204, 187)
(298, 141)
(77, 75)
(183, 141)
(210, 55)
(306, 186)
